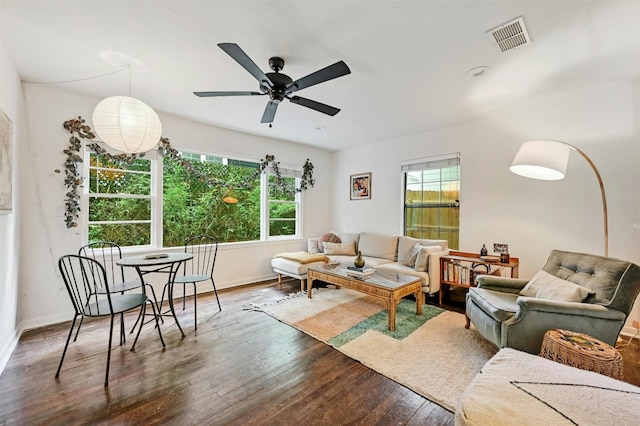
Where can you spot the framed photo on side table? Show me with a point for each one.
(360, 186)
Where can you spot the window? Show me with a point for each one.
(191, 206)
(431, 198)
(283, 204)
(159, 203)
(119, 201)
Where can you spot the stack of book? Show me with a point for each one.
(365, 272)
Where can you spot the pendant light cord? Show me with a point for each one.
(86, 78)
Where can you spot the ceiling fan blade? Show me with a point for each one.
(325, 74)
(243, 59)
(269, 112)
(327, 109)
(205, 94)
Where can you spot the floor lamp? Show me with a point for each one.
(547, 160)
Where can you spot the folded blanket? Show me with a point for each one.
(302, 256)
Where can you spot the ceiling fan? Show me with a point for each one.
(280, 86)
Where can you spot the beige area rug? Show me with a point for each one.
(433, 354)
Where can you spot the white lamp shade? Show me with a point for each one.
(545, 160)
(127, 124)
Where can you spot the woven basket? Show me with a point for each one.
(582, 351)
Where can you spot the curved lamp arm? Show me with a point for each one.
(604, 198)
(547, 160)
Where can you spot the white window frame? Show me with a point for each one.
(156, 216)
(87, 195)
(422, 164)
(285, 171)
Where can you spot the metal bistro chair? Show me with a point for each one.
(86, 282)
(107, 253)
(204, 249)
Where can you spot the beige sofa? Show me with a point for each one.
(386, 253)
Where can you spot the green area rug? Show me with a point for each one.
(432, 354)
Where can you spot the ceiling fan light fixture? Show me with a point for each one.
(127, 124)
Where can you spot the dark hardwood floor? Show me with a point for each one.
(239, 367)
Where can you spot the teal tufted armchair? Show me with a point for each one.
(508, 319)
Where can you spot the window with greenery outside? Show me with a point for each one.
(192, 207)
(123, 193)
(283, 207)
(119, 201)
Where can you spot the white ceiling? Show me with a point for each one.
(408, 59)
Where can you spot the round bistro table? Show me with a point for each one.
(582, 351)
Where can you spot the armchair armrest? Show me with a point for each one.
(528, 304)
(534, 317)
(503, 284)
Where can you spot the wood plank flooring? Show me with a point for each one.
(239, 367)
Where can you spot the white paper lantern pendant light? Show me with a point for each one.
(127, 124)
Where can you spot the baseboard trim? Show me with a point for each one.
(8, 349)
(630, 331)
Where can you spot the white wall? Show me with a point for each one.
(46, 238)
(533, 217)
(10, 103)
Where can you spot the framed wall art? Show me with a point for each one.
(360, 186)
(5, 164)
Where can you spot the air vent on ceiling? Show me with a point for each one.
(510, 35)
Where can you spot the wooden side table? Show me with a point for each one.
(582, 351)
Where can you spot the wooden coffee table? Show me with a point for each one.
(390, 288)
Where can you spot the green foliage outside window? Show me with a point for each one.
(191, 207)
(282, 207)
(121, 201)
(111, 188)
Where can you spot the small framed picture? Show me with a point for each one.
(360, 186)
(500, 248)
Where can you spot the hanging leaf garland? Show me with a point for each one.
(166, 150)
(73, 180)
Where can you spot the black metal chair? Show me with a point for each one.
(107, 253)
(204, 249)
(86, 282)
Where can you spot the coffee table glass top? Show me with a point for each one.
(387, 280)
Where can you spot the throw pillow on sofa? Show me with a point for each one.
(413, 256)
(345, 249)
(405, 246)
(313, 245)
(329, 237)
(422, 261)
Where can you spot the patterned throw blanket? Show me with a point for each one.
(302, 256)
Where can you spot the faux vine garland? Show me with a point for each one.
(73, 180)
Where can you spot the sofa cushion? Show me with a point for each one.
(340, 248)
(543, 285)
(422, 261)
(500, 306)
(377, 245)
(292, 268)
